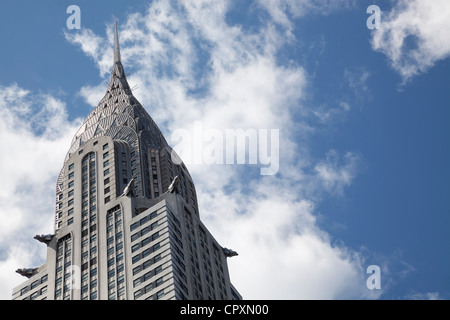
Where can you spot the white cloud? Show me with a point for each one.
(282, 252)
(424, 296)
(94, 46)
(93, 95)
(35, 134)
(282, 11)
(413, 35)
(333, 176)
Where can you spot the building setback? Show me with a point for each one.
(127, 223)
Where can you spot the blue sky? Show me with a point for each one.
(363, 118)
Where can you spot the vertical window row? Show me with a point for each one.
(135, 169)
(154, 175)
(89, 282)
(178, 265)
(193, 257)
(208, 275)
(219, 272)
(63, 268)
(115, 254)
(60, 197)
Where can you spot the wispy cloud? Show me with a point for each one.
(423, 296)
(413, 35)
(335, 176)
(283, 12)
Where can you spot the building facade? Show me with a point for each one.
(127, 223)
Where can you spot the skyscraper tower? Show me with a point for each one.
(127, 223)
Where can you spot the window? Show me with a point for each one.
(145, 242)
(160, 294)
(106, 163)
(135, 236)
(34, 284)
(106, 181)
(105, 146)
(106, 172)
(71, 175)
(158, 270)
(71, 166)
(135, 247)
(134, 226)
(43, 290)
(136, 282)
(70, 194)
(136, 258)
(146, 252)
(120, 257)
(138, 293)
(71, 183)
(107, 199)
(110, 240)
(106, 155)
(84, 277)
(70, 221)
(111, 262)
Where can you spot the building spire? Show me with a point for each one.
(116, 43)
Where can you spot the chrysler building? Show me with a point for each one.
(127, 224)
